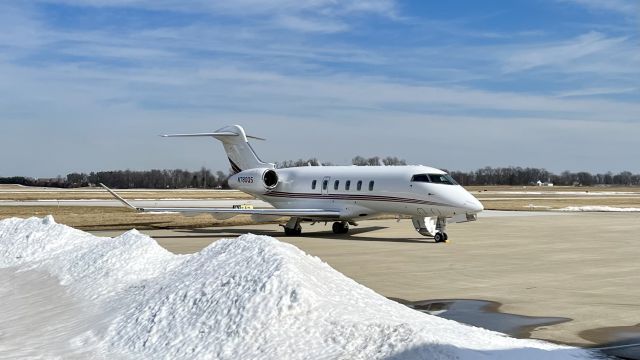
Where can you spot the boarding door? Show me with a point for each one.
(325, 185)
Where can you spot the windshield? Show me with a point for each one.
(434, 178)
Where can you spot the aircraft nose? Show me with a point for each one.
(473, 205)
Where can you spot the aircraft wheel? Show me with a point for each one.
(439, 237)
(340, 227)
(293, 232)
(446, 236)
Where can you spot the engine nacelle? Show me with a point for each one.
(257, 181)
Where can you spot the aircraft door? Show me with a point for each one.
(325, 184)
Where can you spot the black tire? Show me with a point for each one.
(293, 232)
(340, 227)
(438, 237)
(446, 236)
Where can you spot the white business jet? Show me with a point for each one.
(340, 194)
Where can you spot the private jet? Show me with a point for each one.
(339, 194)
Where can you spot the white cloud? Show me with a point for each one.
(630, 7)
(561, 53)
(307, 24)
(324, 16)
(596, 91)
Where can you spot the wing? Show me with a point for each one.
(305, 213)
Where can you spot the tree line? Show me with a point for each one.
(208, 179)
(530, 176)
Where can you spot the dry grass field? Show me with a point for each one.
(118, 218)
(17, 193)
(530, 198)
(541, 198)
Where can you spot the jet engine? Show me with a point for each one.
(257, 181)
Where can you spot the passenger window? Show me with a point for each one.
(325, 183)
(336, 184)
(313, 184)
(347, 185)
(359, 186)
(371, 185)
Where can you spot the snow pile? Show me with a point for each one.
(245, 298)
(598, 209)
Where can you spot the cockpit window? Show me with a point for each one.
(420, 178)
(434, 178)
(442, 179)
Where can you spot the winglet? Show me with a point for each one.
(119, 198)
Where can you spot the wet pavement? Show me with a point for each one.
(622, 341)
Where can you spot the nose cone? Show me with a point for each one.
(473, 205)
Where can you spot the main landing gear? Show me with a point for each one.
(297, 231)
(340, 227)
(293, 228)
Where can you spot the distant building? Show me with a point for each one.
(540, 183)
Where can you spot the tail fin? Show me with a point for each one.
(239, 151)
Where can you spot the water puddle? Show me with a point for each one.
(621, 341)
(483, 314)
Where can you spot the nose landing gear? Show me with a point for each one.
(440, 237)
(432, 226)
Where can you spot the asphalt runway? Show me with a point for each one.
(580, 266)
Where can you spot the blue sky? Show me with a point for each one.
(87, 85)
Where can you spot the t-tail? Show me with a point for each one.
(240, 153)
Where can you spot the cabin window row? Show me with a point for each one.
(336, 185)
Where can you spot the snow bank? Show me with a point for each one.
(245, 298)
(598, 208)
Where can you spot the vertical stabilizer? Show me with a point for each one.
(239, 152)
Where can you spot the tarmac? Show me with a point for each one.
(580, 266)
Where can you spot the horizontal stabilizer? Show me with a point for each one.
(213, 134)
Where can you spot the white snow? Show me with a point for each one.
(598, 209)
(245, 298)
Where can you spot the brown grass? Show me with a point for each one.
(98, 218)
(552, 189)
(117, 218)
(79, 194)
(554, 204)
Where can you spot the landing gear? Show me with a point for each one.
(441, 228)
(293, 228)
(431, 226)
(340, 227)
(297, 231)
(440, 237)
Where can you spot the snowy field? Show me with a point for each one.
(68, 294)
